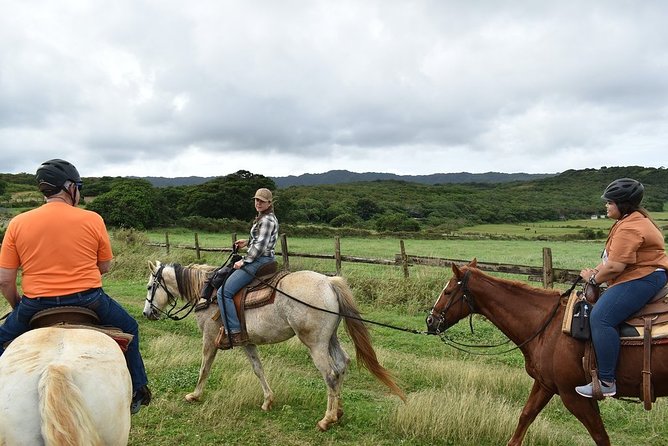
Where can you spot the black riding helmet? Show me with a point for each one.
(52, 175)
(624, 190)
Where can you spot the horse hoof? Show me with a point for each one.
(339, 414)
(191, 398)
(267, 406)
(322, 426)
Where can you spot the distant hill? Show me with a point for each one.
(345, 176)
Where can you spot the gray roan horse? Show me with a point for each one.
(277, 322)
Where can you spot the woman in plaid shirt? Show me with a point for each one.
(263, 235)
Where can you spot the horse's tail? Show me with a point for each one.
(65, 418)
(360, 336)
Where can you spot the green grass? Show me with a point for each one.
(453, 398)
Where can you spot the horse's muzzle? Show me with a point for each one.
(151, 315)
(434, 324)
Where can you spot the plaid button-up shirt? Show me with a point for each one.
(263, 237)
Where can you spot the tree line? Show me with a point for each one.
(384, 205)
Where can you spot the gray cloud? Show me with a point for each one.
(412, 87)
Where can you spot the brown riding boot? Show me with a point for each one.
(239, 339)
(222, 340)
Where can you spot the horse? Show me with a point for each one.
(314, 320)
(532, 318)
(64, 386)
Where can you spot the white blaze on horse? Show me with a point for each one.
(277, 322)
(65, 387)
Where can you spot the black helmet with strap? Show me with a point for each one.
(52, 175)
(624, 190)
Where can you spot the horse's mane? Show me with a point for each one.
(190, 279)
(514, 285)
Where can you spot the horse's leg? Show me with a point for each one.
(340, 360)
(586, 410)
(537, 400)
(333, 377)
(254, 358)
(209, 351)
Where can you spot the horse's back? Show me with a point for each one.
(90, 362)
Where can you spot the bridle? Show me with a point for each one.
(465, 295)
(159, 282)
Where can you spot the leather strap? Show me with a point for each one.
(647, 365)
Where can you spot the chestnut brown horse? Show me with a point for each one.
(531, 318)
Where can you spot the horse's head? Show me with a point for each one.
(159, 292)
(452, 304)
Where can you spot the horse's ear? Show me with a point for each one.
(456, 270)
(474, 263)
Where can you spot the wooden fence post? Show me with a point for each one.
(167, 241)
(337, 254)
(284, 252)
(197, 246)
(548, 272)
(404, 258)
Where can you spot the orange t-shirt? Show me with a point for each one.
(635, 241)
(58, 247)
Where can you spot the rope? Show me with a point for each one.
(347, 316)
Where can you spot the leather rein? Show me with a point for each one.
(466, 296)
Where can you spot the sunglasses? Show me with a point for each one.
(79, 185)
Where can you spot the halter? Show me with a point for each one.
(159, 282)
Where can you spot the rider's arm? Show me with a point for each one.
(603, 271)
(8, 285)
(609, 270)
(104, 266)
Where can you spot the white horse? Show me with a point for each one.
(65, 387)
(274, 323)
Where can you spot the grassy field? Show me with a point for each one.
(453, 398)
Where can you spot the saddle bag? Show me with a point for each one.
(576, 317)
(217, 278)
(580, 323)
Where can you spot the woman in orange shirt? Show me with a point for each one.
(634, 265)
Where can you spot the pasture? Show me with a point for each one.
(453, 398)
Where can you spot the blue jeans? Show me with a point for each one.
(614, 307)
(236, 281)
(108, 310)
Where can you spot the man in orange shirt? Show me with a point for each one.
(63, 251)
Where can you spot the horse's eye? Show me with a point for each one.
(459, 282)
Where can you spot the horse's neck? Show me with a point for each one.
(514, 310)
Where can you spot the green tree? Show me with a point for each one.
(397, 222)
(129, 204)
(225, 197)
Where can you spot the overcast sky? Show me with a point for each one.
(280, 87)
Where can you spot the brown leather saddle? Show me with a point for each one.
(647, 327)
(78, 317)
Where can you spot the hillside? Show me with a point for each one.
(345, 176)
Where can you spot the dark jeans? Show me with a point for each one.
(108, 310)
(614, 307)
